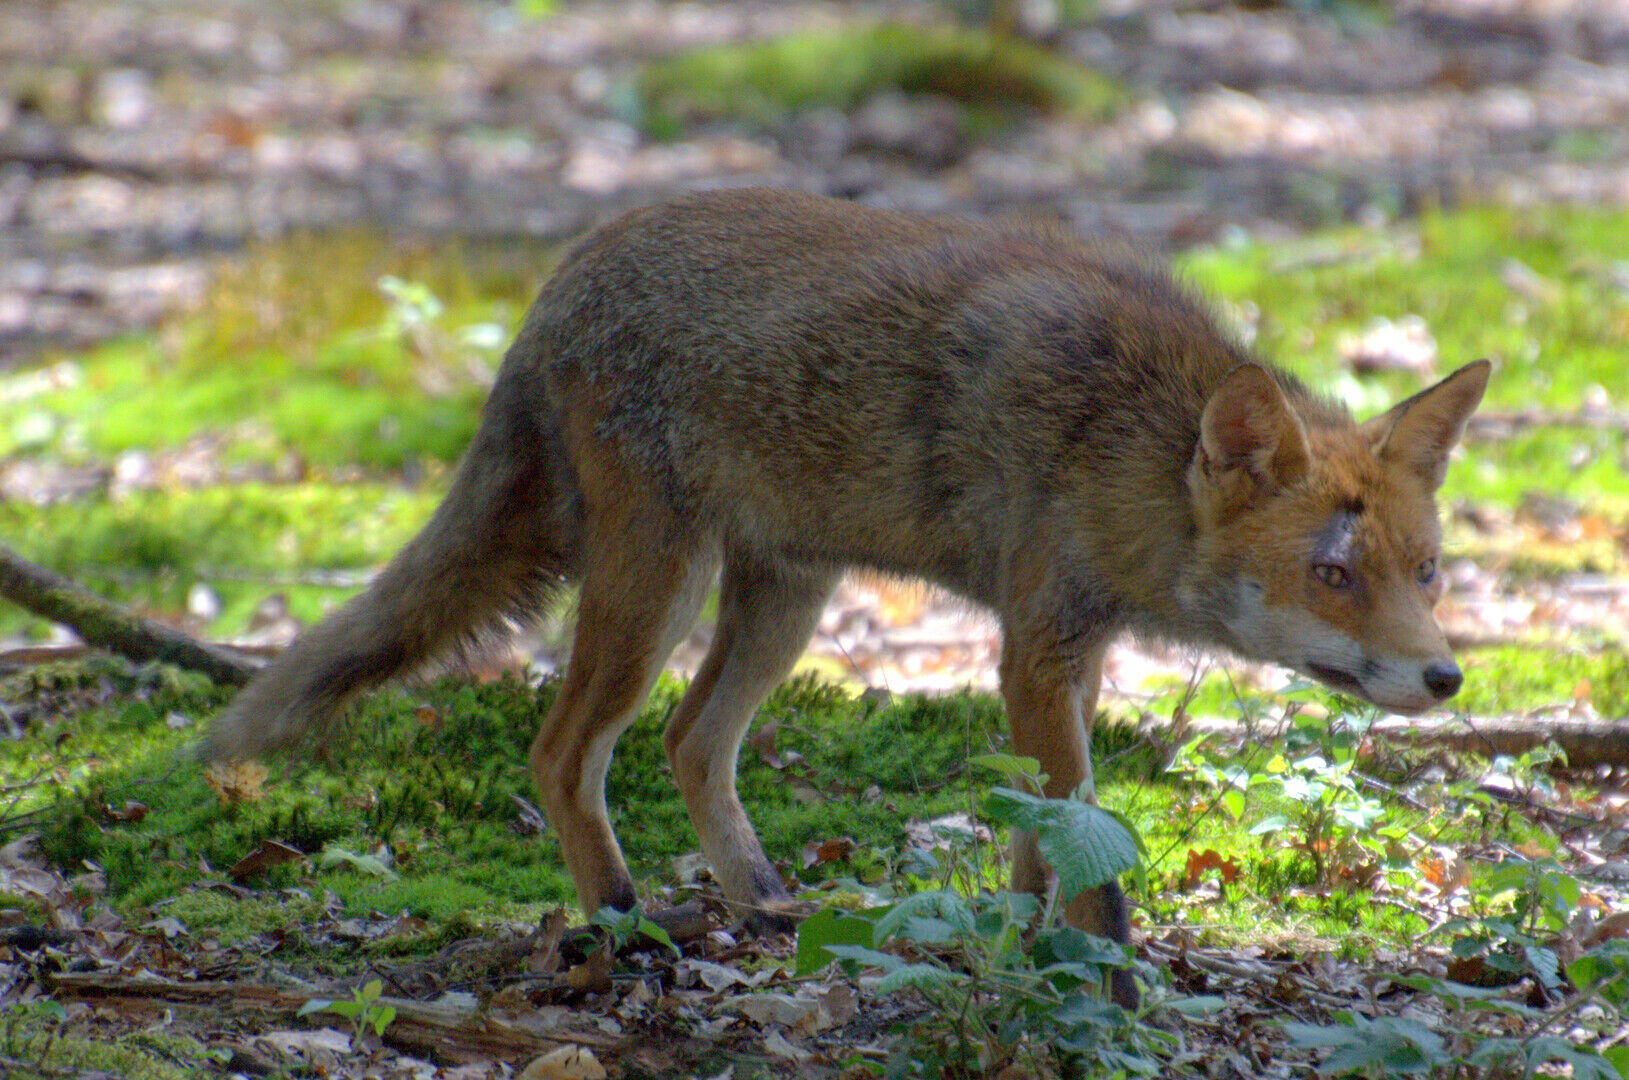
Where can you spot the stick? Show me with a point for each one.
(109, 626)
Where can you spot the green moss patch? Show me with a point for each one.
(763, 82)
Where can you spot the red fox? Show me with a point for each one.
(763, 389)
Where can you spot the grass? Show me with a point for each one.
(1553, 345)
(149, 548)
(374, 390)
(329, 369)
(761, 83)
(437, 801)
(34, 1046)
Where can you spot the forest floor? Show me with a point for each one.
(148, 149)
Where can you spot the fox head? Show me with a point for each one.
(1317, 538)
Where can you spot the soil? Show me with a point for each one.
(144, 141)
(141, 141)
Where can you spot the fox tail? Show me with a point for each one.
(498, 547)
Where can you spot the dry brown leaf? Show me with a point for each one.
(565, 1063)
(593, 975)
(763, 741)
(544, 959)
(1612, 927)
(827, 851)
(239, 781)
(270, 853)
(1446, 870)
(131, 811)
(1209, 859)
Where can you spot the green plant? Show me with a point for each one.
(364, 1010)
(1331, 819)
(1002, 985)
(760, 83)
(1474, 1037)
(622, 927)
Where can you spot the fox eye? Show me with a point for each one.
(1336, 577)
(1426, 572)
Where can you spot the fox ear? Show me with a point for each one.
(1247, 424)
(1418, 433)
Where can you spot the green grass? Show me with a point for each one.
(282, 364)
(763, 82)
(440, 801)
(1446, 268)
(39, 1042)
(243, 540)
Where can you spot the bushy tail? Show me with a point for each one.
(500, 543)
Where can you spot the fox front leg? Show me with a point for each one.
(1051, 700)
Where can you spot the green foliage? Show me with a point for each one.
(363, 1010)
(1550, 344)
(1512, 678)
(379, 360)
(760, 83)
(1338, 827)
(1003, 987)
(624, 927)
(1084, 844)
(1473, 1038)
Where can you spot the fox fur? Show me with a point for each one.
(761, 389)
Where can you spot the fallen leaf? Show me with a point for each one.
(239, 781)
(1612, 927)
(1209, 859)
(544, 958)
(429, 716)
(1446, 870)
(130, 811)
(565, 1063)
(763, 741)
(766, 1008)
(827, 851)
(270, 853)
(776, 1043)
(593, 975)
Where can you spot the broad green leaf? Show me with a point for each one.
(946, 907)
(1085, 845)
(870, 957)
(333, 855)
(919, 975)
(825, 928)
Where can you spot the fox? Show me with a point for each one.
(757, 391)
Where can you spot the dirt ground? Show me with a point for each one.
(141, 140)
(141, 143)
(144, 141)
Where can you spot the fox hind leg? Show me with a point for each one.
(640, 596)
(767, 611)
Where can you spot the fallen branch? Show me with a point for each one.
(454, 1031)
(1588, 743)
(109, 626)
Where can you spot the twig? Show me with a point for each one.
(107, 625)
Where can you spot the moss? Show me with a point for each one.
(761, 83)
(36, 1033)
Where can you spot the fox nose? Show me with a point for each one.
(1443, 679)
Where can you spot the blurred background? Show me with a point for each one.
(258, 260)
